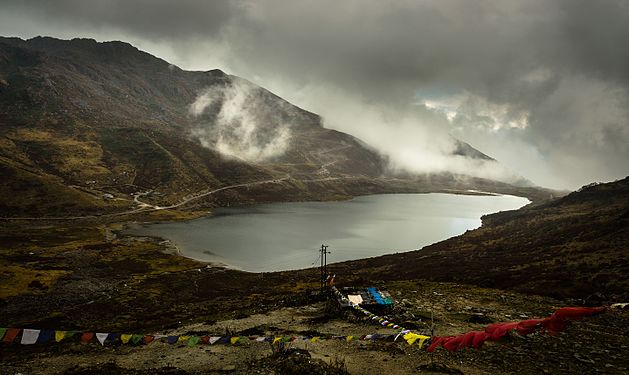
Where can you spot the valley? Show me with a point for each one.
(94, 136)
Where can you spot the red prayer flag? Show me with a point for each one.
(87, 337)
(11, 334)
(558, 321)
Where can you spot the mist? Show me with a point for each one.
(541, 86)
(233, 122)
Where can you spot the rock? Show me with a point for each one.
(583, 360)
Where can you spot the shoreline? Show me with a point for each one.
(129, 228)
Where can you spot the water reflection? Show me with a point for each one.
(284, 236)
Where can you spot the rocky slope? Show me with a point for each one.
(80, 119)
(573, 247)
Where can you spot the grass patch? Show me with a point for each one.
(20, 280)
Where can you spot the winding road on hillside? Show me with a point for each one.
(147, 207)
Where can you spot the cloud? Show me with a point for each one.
(235, 122)
(543, 79)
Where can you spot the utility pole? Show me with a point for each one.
(324, 265)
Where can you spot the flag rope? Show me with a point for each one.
(556, 322)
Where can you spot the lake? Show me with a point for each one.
(283, 236)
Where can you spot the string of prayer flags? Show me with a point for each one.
(558, 321)
(382, 321)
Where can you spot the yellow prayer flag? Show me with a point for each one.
(349, 338)
(59, 335)
(276, 339)
(314, 339)
(412, 337)
(183, 339)
(234, 340)
(422, 338)
(125, 337)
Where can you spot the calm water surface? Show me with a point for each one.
(282, 236)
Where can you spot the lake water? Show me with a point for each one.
(282, 236)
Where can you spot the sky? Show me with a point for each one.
(540, 85)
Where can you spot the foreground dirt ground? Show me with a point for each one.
(597, 344)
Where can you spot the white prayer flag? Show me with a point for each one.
(101, 337)
(214, 339)
(29, 336)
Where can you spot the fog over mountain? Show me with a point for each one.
(542, 86)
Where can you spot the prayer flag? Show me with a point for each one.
(60, 335)
(193, 340)
(172, 339)
(136, 339)
(87, 337)
(29, 336)
(45, 335)
(101, 337)
(182, 339)
(11, 334)
(113, 337)
(125, 337)
(224, 340)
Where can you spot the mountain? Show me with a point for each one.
(573, 247)
(87, 127)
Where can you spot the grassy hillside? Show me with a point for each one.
(576, 246)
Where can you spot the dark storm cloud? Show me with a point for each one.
(541, 85)
(153, 19)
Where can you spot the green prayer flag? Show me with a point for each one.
(193, 340)
(135, 339)
(2, 331)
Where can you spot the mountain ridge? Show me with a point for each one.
(106, 118)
